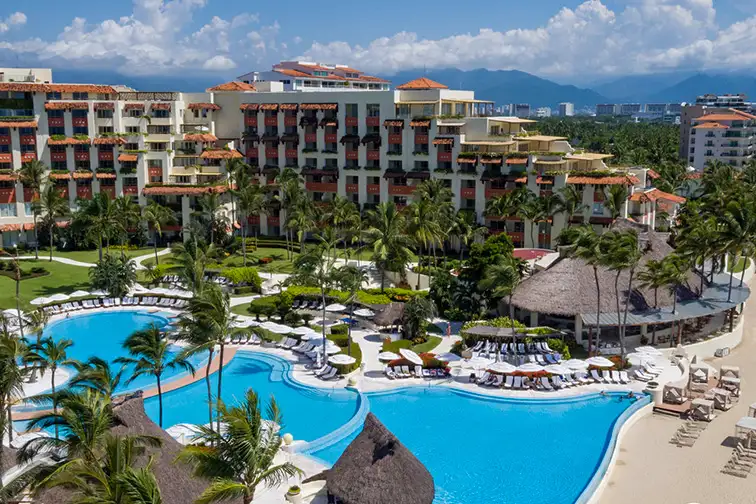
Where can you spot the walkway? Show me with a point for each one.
(138, 260)
(649, 469)
(63, 260)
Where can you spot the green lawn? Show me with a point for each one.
(394, 346)
(62, 278)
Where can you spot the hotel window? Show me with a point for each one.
(81, 96)
(80, 130)
(155, 163)
(54, 96)
(104, 114)
(4, 149)
(7, 209)
(403, 110)
(395, 165)
(351, 110)
(131, 146)
(421, 165)
(135, 113)
(598, 209)
(159, 130)
(373, 110)
(105, 129)
(54, 113)
(59, 165)
(25, 148)
(103, 96)
(161, 114)
(446, 109)
(133, 130)
(459, 109)
(428, 110)
(28, 208)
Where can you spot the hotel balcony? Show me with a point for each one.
(271, 121)
(374, 189)
(104, 155)
(84, 191)
(290, 120)
(5, 140)
(352, 154)
(131, 190)
(28, 156)
(395, 139)
(109, 190)
(311, 137)
(467, 192)
(8, 195)
(373, 155)
(79, 122)
(331, 187)
(271, 152)
(82, 156)
(6, 157)
(351, 121)
(373, 121)
(250, 120)
(445, 157)
(352, 188)
(27, 140)
(56, 122)
(58, 156)
(400, 190)
(331, 137)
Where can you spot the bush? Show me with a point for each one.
(395, 346)
(356, 352)
(243, 276)
(339, 329)
(247, 289)
(292, 318)
(560, 346)
(38, 270)
(458, 347)
(340, 339)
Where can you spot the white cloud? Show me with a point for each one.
(297, 40)
(219, 63)
(15, 19)
(646, 35)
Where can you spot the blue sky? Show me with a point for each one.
(565, 40)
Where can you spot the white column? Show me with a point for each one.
(579, 328)
(533, 319)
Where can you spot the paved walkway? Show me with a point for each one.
(138, 260)
(63, 260)
(649, 469)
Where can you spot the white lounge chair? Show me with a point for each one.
(640, 375)
(330, 374)
(557, 381)
(517, 382)
(606, 376)
(650, 370)
(545, 383)
(616, 377)
(406, 371)
(498, 380)
(418, 371)
(389, 373)
(596, 377)
(484, 377)
(400, 373)
(623, 377)
(508, 382)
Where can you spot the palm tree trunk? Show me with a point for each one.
(154, 242)
(383, 278)
(703, 275)
(656, 306)
(511, 319)
(10, 423)
(742, 273)
(729, 286)
(598, 309)
(349, 329)
(624, 320)
(100, 247)
(323, 295)
(51, 242)
(532, 235)
(220, 383)
(54, 398)
(18, 301)
(209, 390)
(417, 286)
(619, 314)
(244, 243)
(36, 237)
(160, 402)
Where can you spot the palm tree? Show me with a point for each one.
(302, 218)
(52, 205)
(653, 276)
(502, 278)
(113, 274)
(571, 201)
(238, 179)
(32, 175)
(532, 211)
(466, 229)
(37, 321)
(676, 270)
(129, 214)
(199, 340)
(50, 355)
(97, 375)
(343, 215)
(417, 311)
(101, 218)
(615, 199)
(422, 226)
(351, 279)
(624, 255)
(191, 259)
(12, 378)
(150, 356)
(209, 215)
(291, 190)
(212, 315)
(242, 458)
(385, 235)
(738, 231)
(435, 192)
(251, 200)
(156, 216)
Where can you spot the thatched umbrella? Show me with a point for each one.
(391, 314)
(377, 469)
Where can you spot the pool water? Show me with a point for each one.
(498, 451)
(102, 335)
(308, 413)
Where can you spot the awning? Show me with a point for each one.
(127, 157)
(443, 141)
(396, 123)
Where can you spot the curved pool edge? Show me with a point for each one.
(592, 492)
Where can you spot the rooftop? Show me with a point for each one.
(421, 83)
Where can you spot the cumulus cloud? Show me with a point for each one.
(15, 19)
(646, 35)
(219, 63)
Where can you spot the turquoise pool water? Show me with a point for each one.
(307, 413)
(498, 451)
(102, 335)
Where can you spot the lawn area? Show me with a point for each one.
(429, 345)
(279, 264)
(62, 278)
(89, 256)
(742, 264)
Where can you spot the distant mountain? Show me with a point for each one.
(506, 86)
(183, 82)
(701, 83)
(637, 88)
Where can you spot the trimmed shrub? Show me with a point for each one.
(560, 346)
(340, 339)
(339, 329)
(243, 276)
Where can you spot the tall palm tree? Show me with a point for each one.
(615, 199)
(465, 228)
(238, 179)
(209, 216)
(625, 255)
(676, 270)
(385, 235)
(96, 374)
(251, 200)
(150, 355)
(52, 205)
(533, 212)
(502, 278)
(738, 231)
(290, 190)
(571, 202)
(38, 319)
(12, 378)
(343, 215)
(32, 174)
(199, 340)
(653, 276)
(129, 214)
(440, 198)
(156, 216)
(191, 259)
(422, 226)
(302, 218)
(351, 279)
(212, 315)
(49, 355)
(239, 460)
(101, 218)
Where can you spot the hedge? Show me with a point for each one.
(367, 296)
(243, 275)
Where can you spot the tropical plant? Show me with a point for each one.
(37, 320)
(251, 200)
(351, 279)
(100, 216)
(52, 205)
(156, 216)
(12, 378)
(615, 200)
(385, 236)
(343, 215)
(465, 228)
(209, 216)
(97, 375)
(129, 215)
(653, 276)
(624, 255)
(676, 270)
(532, 211)
(191, 259)
(571, 202)
(49, 355)
(240, 459)
(502, 278)
(31, 175)
(115, 275)
(150, 355)
(423, 227)
(417, 311)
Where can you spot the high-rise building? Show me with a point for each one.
(522, 110)
(542, 112)
(607, 109)
(723, 136)
(628, 109)
(566, 109)
(367, 145)
(706, 104)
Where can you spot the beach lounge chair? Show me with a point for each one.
(540, 360)
(650, 370)
(484, 377)
(532, 358)
(596, 377)
(546, 383)
(517, 383)
(509, 381)
(426, 373)
(322, 370)
(550, 358)
(617, 378)
(640, 375)
(498, 380)
(406, 371)
(418, 371)
(478, 346)
(389, 373)
(400, 372)
(330, 374)
(301, 346)
(623, 377)
(606, 376)
(521, 348)
(557, 381)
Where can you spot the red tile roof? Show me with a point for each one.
(721, 117)
(652, 174)
(10, 227)
(710, 125)
(60, 176)
(33, 87)
(167, 190)
(422, 83)
(290, 72)
(109, 140)
(104, 106)
(656, 194)
(200, 137)
(66, 106)
(18, 124)
(220, 154)
(79, 175)
(67, 141)
(203, 106)
(127, 157)
(232, 86)
(134, 106)
(160, 106)
(249, 106)
(609, 180)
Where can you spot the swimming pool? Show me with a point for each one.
(308, 413)
(102, 335)
(478, 448)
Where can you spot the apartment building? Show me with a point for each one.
(566, 109)
(706, 104)
(311, 76)
(607, 109)
(543, 112)
(367, 145)
(724, 136)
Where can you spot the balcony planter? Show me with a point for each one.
(294, 495)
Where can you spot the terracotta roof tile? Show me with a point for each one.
(167, 190)
(290, 72)
(220, 154)
(82, 175)
(18, 124)
(104, 106)
(721, 117)
(656, 194)
(203, 106)
(608, 180)
(105, 175)
(134, 106)
(33, 87)
(249, 106)
(10, 227)
(319, 106)
(652, 174)
(127, 157)
(109, 140)
(710, 125)
(232, 86)
(68, 141)
(66, 106)
(421, 83)
(160, 106)
(200, 137)
(60, 176)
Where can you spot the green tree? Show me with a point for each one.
(100, 216)
(49, 355)
(252, 200)
(615, 199)
(150, 355)
(533, 212)
(52, 205)
(653, 276)
(624, 255)
(156, 216)
(31, 175)
(343, 215)
(676, 269)
(417, 311)
(129, 216)
(113, 274)
(97, 375)
(502, 278)
(351, 279)
(12, 378)
(423, 227)
(241, 459)
(386, 237)
(571, 202)
(38, 319)
(209, 216)
(465, 228)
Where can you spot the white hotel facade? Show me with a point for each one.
(346, 133)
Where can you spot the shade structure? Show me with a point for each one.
(59, 297)
(575, 364)
(639, 358)
(79, 293)
(302, 330)
(19, 441)
(501, 367)
(477, 363)
(411, 356)
(388, 356)
(530, 367)
(335, 307)
(39, 301)
(241, 324)
(364, 312)
(311, 336)
(183, 433)
(649, 350)
(557, 369)
(448, 357)
(341, 359)
(599, 361)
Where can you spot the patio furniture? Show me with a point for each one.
(730, 383)
(722, 399)
(733, 371)
(674, 394)
(702, 409)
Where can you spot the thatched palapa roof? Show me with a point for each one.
(391, 314)
(568, 287)
(378, 469)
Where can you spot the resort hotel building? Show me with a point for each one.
(345, 132)
(726, 136)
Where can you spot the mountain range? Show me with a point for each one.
(500, 86)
